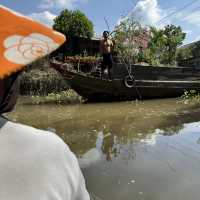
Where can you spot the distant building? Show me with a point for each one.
(90, 47)
(194, 61)
(79, 46)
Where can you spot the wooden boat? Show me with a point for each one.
(138, 82)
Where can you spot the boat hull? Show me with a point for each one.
(97, 89)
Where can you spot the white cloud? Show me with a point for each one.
(70, 4)
(45, 17)
(147, 12)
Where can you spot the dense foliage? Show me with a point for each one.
(127, 40)
(73, 24)
(162, 43)
(183, 54)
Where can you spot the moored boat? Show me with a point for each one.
(129, 83)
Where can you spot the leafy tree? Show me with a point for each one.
(173, 38)
(164, 43)
(156, 46)
(127, 42)
(73, 24)
(183, 54)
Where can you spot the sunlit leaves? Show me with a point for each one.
(73, 24)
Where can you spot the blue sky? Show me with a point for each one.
(150, 12)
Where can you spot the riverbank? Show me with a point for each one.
(64, 97)
(69, 96)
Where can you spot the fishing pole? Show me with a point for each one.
(106, 21)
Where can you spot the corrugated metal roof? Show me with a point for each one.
(185, 46)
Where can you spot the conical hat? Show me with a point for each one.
(23, 41)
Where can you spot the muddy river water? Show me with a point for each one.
(146, 150)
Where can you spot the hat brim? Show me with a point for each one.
(23, 40)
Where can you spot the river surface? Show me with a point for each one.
(146, 150)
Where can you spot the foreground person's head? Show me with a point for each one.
(8, 93)
(33, 41)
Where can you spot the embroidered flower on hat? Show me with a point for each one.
(23, 50)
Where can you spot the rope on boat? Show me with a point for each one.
(129, 80)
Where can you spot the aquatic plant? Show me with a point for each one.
(64, 97)
(191, 96)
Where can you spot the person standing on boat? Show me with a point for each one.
(106, 46)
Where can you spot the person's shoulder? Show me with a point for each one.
(51, 153)
(45, 141)
(32, 135)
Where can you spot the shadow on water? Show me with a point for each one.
(129, 150)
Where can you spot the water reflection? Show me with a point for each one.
(93, 155)
(109, 147)
(155, 167)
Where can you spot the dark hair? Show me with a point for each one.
(106, 32)
(10, 93)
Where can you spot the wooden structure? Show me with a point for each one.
(194, 60)
(79, 46)
(138, 82)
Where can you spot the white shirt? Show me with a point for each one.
(37, 165)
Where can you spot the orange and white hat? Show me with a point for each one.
(23, 41)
